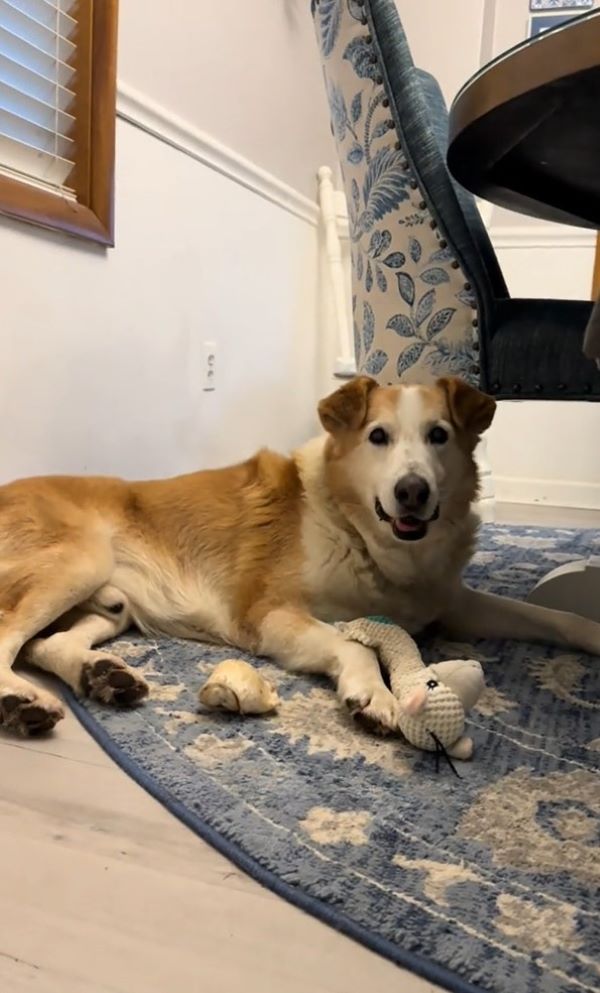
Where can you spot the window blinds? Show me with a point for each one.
(38, 47)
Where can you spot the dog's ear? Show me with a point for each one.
(470, 409)
(346, 409)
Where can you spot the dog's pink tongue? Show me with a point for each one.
(407, 524)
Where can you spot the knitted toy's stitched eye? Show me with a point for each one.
(432, 684)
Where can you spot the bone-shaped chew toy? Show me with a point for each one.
(237, 686)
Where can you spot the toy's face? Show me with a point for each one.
(432, 713)
(463, 676)
(402, 456)
(435, 705)
(430, 698)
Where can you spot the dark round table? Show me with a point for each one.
(525, 130)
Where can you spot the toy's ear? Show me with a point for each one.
(470, 409)
(415, 702)
(347, 407)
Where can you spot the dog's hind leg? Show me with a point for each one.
(69, 653)
(33, 594)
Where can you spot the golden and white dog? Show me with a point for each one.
(372, 518)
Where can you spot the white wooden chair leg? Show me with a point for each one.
(345, 366)
(486, 505)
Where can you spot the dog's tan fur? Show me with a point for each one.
(261, 555)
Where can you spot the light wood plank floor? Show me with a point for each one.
(104, 892)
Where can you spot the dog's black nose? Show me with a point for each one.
(412, 492)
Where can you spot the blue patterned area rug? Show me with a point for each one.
(487, 883)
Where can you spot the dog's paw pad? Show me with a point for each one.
(28, 715)
(109, 680)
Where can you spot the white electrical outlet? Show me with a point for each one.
(209, 365)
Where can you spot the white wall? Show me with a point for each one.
(245, 71)
(547, 453)
(445, 38)
(101, 351)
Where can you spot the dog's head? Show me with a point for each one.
(404, 454)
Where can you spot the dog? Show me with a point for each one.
(374, 517)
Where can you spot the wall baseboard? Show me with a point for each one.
(159, 122)
(540, 236)
(547, 492)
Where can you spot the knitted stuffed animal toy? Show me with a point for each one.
(434, 699)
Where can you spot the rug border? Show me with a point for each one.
(425, 968)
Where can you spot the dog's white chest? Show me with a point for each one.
(338, 576)
(342, 581)
(336, 580)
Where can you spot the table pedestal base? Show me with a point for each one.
(574, 587)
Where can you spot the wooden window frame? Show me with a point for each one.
(91, 216)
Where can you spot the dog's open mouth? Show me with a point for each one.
(409, 527)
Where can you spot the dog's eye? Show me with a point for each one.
(438, 435)
(432, 684)
(379, 437)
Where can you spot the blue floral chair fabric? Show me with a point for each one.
(429, 297)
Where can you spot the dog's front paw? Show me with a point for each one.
(376, 708)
